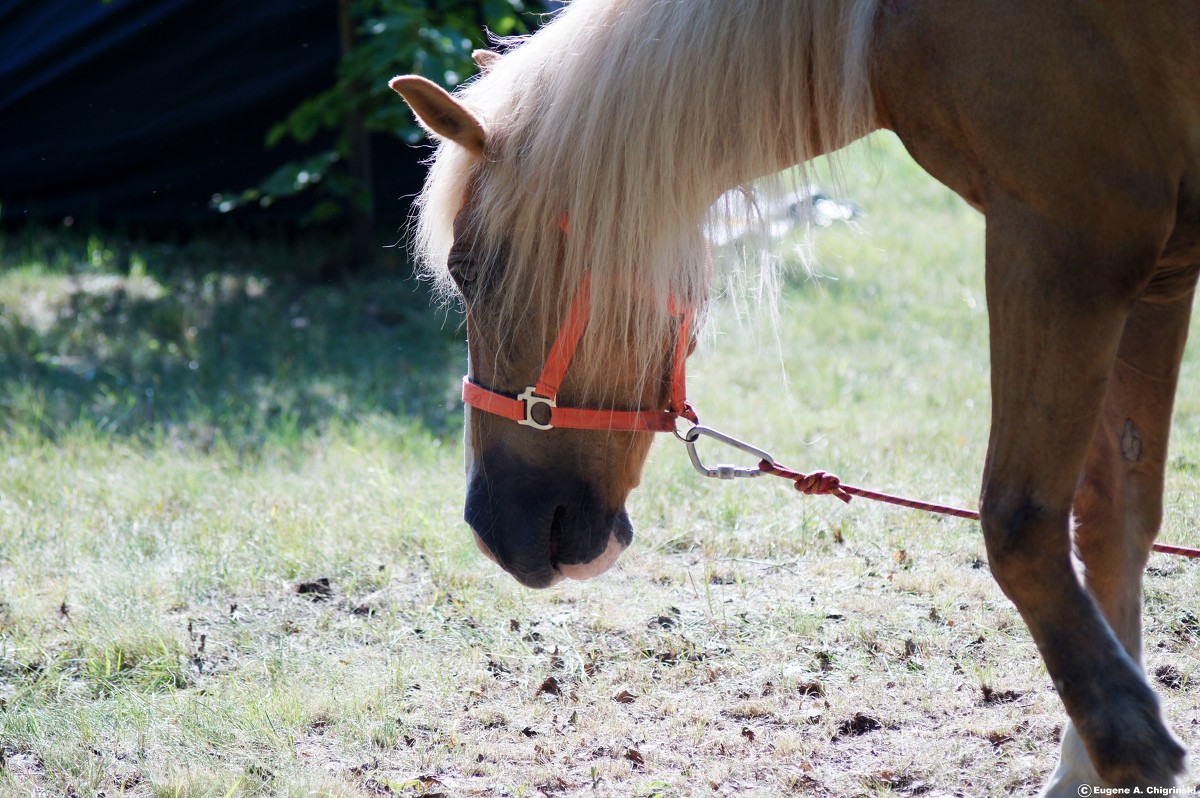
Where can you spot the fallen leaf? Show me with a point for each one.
(376, 787)
(1169, 676)
(998, 739)
(624, 697)
(991, 696)
(318, 589)
(858, 725)
(558, 785)
(550, 687)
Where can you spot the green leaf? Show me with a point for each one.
(393, 37)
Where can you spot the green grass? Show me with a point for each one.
(213, 342)
(164, 530)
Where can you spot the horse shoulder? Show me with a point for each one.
(1057, 106)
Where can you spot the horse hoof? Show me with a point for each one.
(1134, 748)
(1075, 775)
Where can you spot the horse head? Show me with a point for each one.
(560, 405)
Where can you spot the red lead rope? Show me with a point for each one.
(818, 483)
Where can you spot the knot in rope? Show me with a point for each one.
(818, 483)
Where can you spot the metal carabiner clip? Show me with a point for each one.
(721, 470)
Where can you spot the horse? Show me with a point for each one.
(566, 203)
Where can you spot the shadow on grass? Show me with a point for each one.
(232, 341)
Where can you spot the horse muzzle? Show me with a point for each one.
(542, 524)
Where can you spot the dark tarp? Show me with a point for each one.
(138, 111)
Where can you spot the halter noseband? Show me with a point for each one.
(520, 408)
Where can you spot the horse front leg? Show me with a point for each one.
(1057, 309)
(1118, 506)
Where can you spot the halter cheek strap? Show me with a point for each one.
(544, 393)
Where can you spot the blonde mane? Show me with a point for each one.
(630, 118)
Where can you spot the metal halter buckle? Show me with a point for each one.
(532, 400)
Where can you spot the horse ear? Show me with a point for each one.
(439, 113)
(484, 59)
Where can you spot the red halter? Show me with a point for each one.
(521, 407)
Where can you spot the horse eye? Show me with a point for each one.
(474, 272)
(463, 269)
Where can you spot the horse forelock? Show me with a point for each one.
(629, 118)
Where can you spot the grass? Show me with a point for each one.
(212, 339)
(249, 577)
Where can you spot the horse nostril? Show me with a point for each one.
(556, 533)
